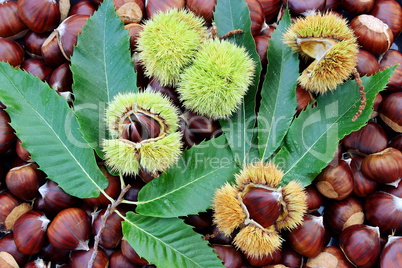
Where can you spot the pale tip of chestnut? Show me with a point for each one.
(7, 260)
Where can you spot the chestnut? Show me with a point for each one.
(7, 260)
(61, 78)
(24, 181)
(263, 205)
(339, 214)
(29, 232)
(298, 7)
(310, 238)
(11, 26)
(70, 229)
(372, 34)
(390, 12)
(203, 8)
(314, 198)
(391, 254)
(393, 189)
(52, 254)
(357, 7)
(33, 43)
(51, 52)
(290, 257)
(39, 16)
(10, 209)
(38, 68)
(201, 221)
(112, 234)
(38, 263)
(112, 190)
(335, 181)
(331, 256)
(7, 136)
(261, 43)
(362, 185)
(390, 58)
(11, 52)
(55, 199)
(22, 153)
(367, 64)
(229, 255)
(384, 166)
(256, 16)
(170, 92)
(154, 6)
(129, 11)
(7, 244)
(384, 210)
(83, 7)
(80, 258)
(117, 260)
(201, 126)
(131, 254)
(271, 10)
(367, 140)
(273, 258)
(390, 111)
(361, 244)
(303, 98)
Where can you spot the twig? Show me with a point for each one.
(110, 209)
(230, 33)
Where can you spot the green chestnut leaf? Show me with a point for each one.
(101, 67)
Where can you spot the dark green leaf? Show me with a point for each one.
(189, 186)
(49, 131)
(102, 67)
(168, 242)
(278, 93)
(232, 15)
(314, 136)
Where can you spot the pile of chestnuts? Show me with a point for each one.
(354, 205)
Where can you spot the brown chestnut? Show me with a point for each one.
(335, 181)
(11, 26)
(154, 6)
(112, 234)
(298, 7)
(367, 140)
(83, 7)
(229, 255)
(24, 181)
(367, 64)
(361, 244)
(170, 92)
(38, 68)
(11, 52)
(129, 12)
(70, 229)
(362, 185)
(30, 232)
(134, 30)
(7, 244)
(256, 16)
(273, 258)
(390, 12)
(131, 254)
(33, 43)
(68, 31)
(52, 254)
(290, 257)
(391, 255)
(394, 189)
(390, 111)
(7, 136)
(384, 210)
(39, 16)
(11, 208)
(357, 6)
(203, 8)
(390, 58)
(310, 238)
(22, 153)
(303, 98)
(263, 205)
(340, 214)
(80, 258)
(372, 34)
(271, 9)
(117, 260)
(330, 257)
(384, 166)
(61, 78)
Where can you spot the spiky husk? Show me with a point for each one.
(228, 213)
(215, 84)
(127, 157)
(259, 173)
(321, 25)
(168, 44)
(333, 69)
(151, 101)
(257, 242)
(295, 199)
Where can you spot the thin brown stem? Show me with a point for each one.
(230, 33)
(109, 210)
(363, 99)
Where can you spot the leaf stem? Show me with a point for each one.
(110, 209)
